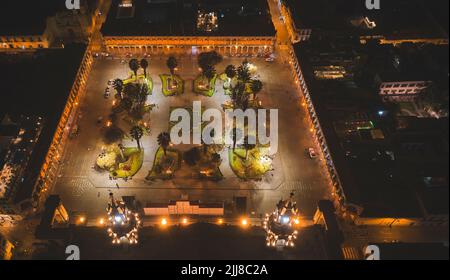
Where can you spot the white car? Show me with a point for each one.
(270, 59)
(312, 153)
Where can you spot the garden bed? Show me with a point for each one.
(131, 166)
(254, 167)
(168, 89)
(207, 91)
(164, 165)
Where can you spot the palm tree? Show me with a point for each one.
(172, 63)
(137, 132)
(164, 141)
(230, 71)
(144, 65)
(239, 97)
(243, 72)
(209, 72)
(207, 59)
(132, 91)
(143, 93)
(249, 144)
(118, 86)
(256, 87)
(134, 66)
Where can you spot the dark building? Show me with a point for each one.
(189, 18)
(38, 84)
(375, 175)
(397, 22)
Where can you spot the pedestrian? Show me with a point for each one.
(117, 185)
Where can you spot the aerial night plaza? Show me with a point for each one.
(224, 130)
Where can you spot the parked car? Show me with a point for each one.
(312, 153)
(107, 93)
(270, 59)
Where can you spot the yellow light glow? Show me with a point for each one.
(220, 221)
(184, 221)
(163, 221)
(82, 219)
(244, 222)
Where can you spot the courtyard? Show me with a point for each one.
(84, 189)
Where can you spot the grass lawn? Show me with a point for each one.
(131, 166)
(254, 167)
(207, 91)
(167, 90)
(164, 166)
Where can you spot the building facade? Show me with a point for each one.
(63, 26)
(253, 46)
(49, 169)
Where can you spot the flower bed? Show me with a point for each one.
(171, 84)
(200, 86)
(254, 167)
(164, 165)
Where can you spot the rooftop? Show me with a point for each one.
(409, 63)
(180, 18)
(33, 93)
(27, 17)
(371, 178)
(399, 19)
